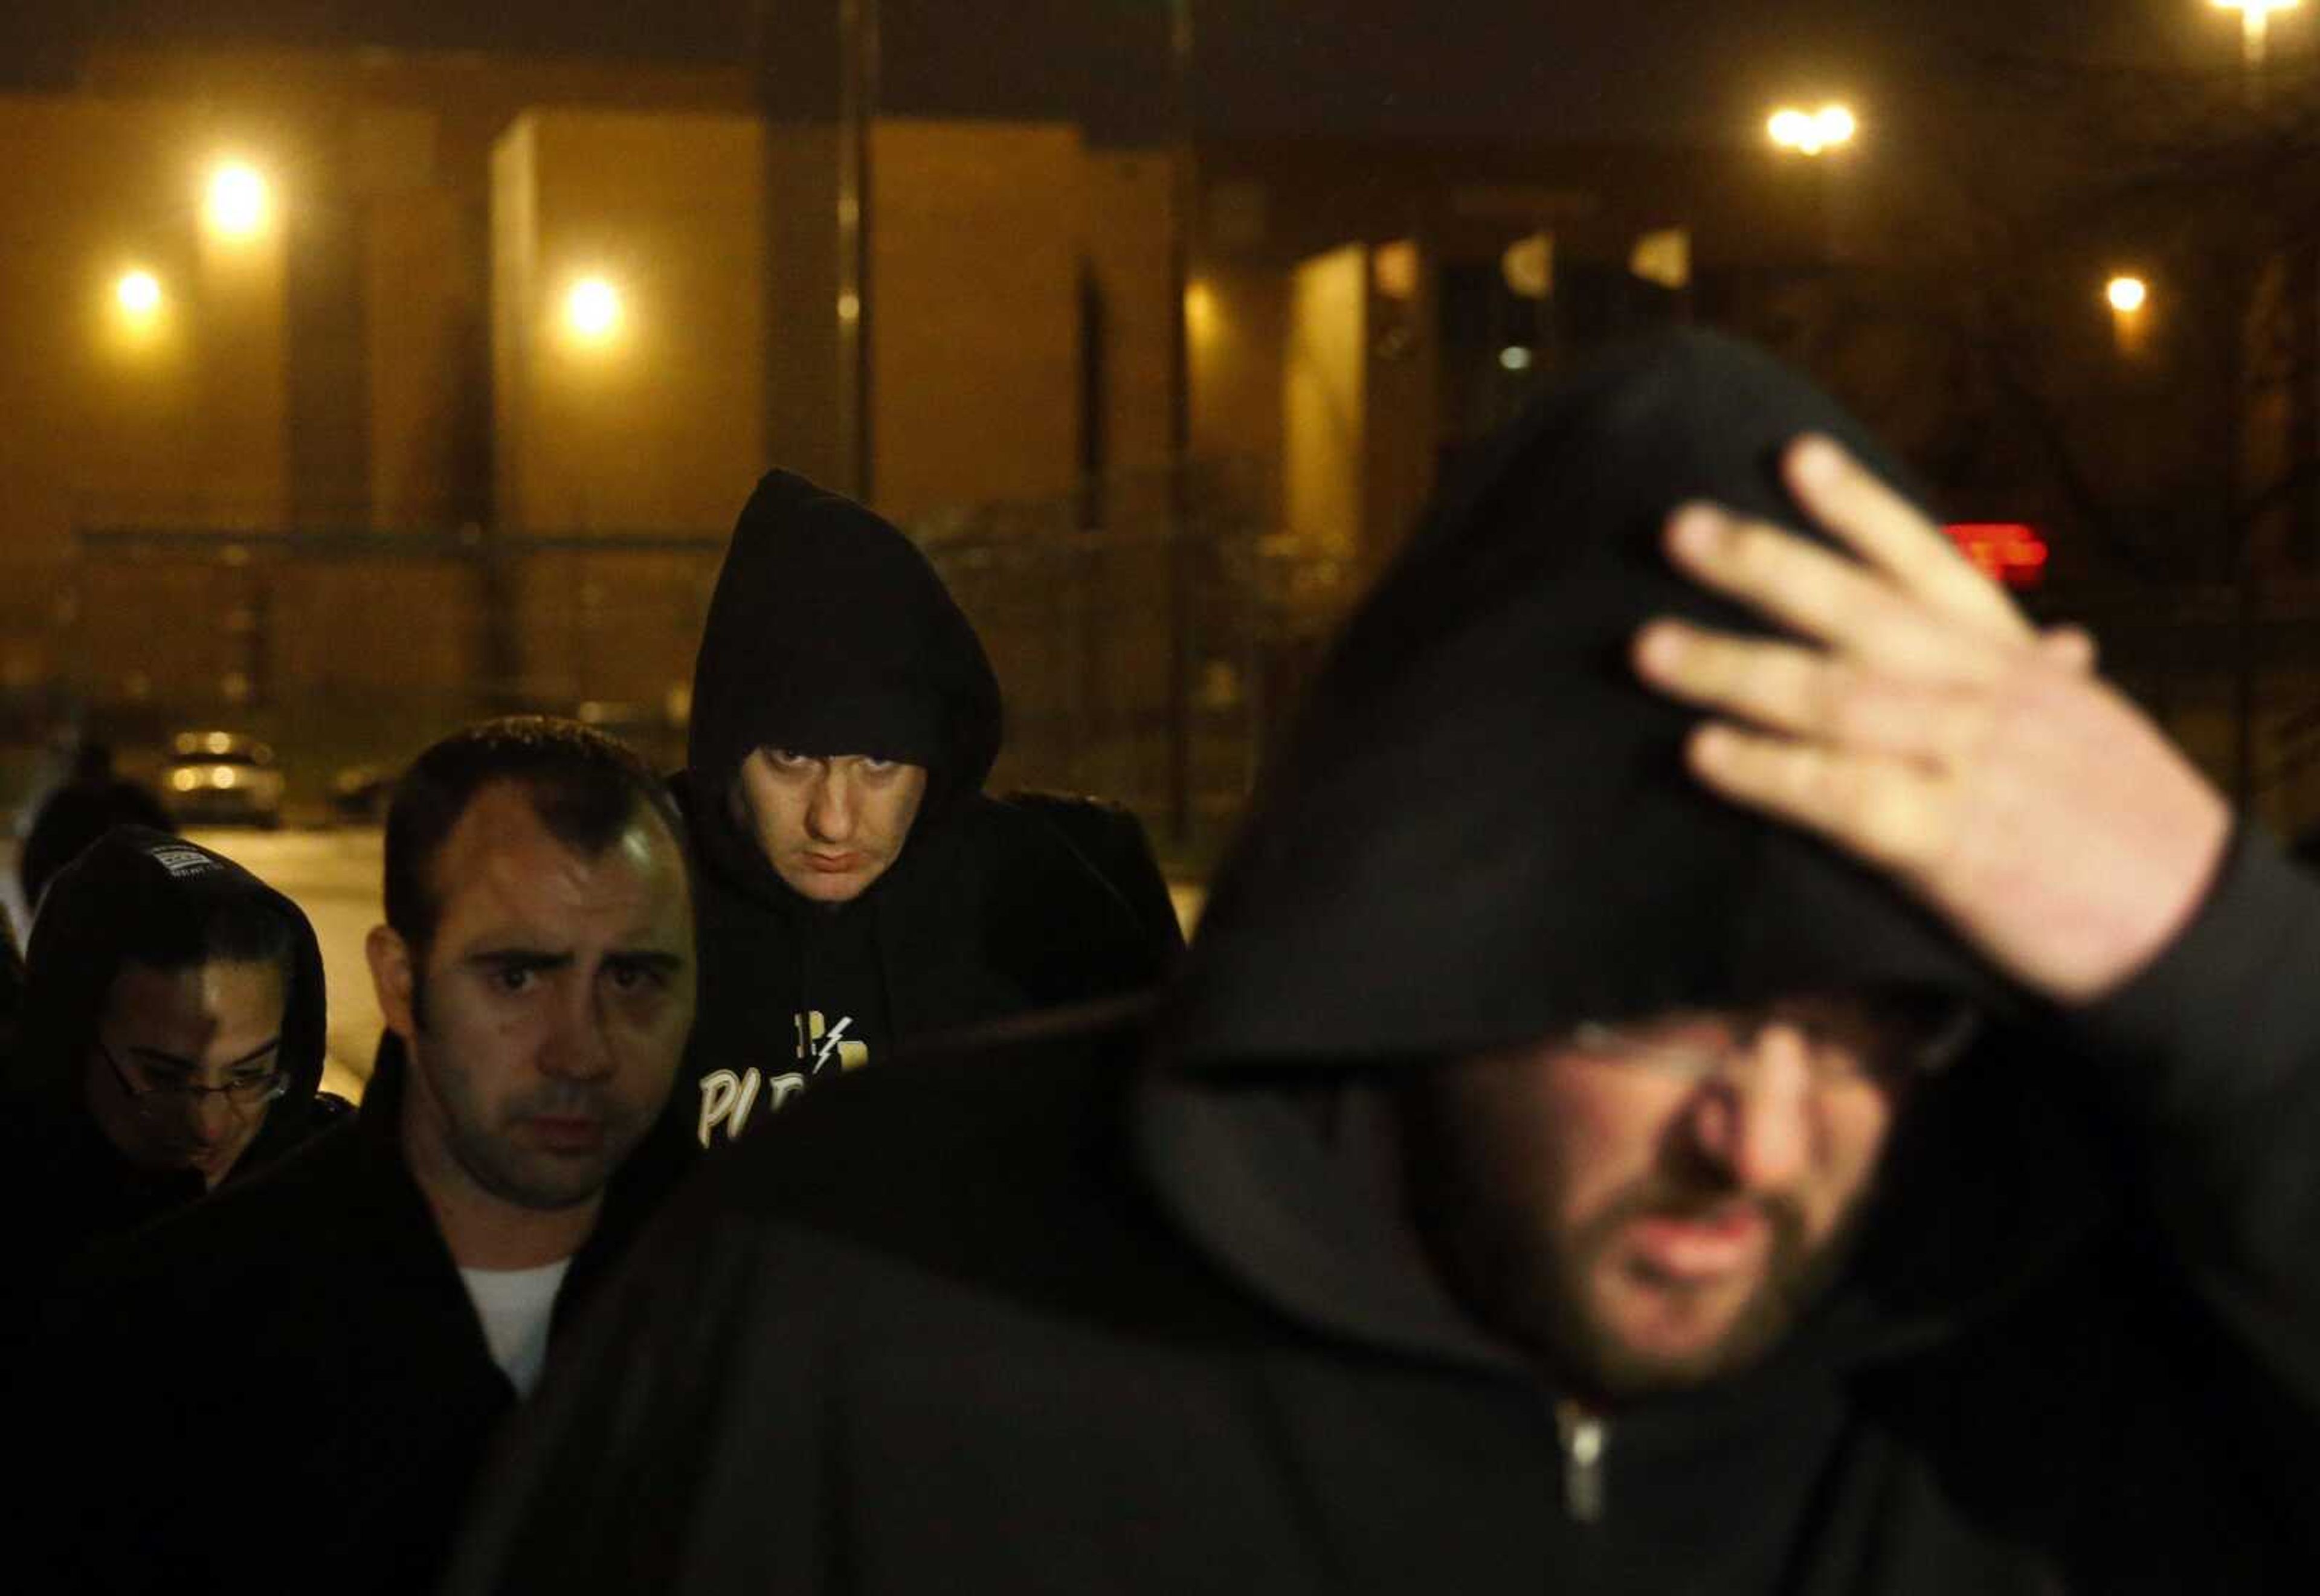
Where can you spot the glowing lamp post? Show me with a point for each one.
(2128, 297)
(139, 296)
(239, 201)
(592, 312)
(1812, 132)
(2255, 25)
(139, 311)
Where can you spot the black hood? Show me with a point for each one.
(829, 633)
(134, 877)
(1482, 831)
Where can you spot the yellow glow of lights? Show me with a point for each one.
(1528, 266)
(2255, 33)
(138, 295)
(239, 201)
(1200, 309)
(592, 310)
(2127, 295)
(1810, 133)
(1396, 269)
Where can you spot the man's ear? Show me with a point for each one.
(391, 978)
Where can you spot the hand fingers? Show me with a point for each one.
(1890, 811)
(1826, 598)
(1860, 510)
(1802, 693)
(2073, 647)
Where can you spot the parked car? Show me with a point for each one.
(360, 793)
(222, 778)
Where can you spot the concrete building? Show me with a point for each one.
(462, 421)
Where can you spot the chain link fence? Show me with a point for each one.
(1150, 634)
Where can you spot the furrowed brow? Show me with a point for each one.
(647, 958)
(516, 959)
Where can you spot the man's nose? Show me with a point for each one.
(830, 811)
(212, 1117)
(578, 1047)
(1755, 1119)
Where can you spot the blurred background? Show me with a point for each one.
(368, 368)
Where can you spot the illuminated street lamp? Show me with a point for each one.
(1199, 310)
(239, 201)
(592, 311)
(2255, 25)
(2128, 295)
(1812, 132)
(138, 295)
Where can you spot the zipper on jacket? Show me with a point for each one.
(1584, 1437)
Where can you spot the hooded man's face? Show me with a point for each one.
(1652, 1207)
(830, 827)
(178, 1060)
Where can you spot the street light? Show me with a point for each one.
(592, 311)
(138, 295)
(1812, 132)
(2255, 25)
(238, 202)
(2128, 295)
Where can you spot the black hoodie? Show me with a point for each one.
(830, 634)
(62, 1185)
(1080, 1327)
(285, 1388)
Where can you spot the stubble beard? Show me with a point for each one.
(1574, 1330)
(480, 1140)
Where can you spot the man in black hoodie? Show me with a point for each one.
(171, 1039)
(1547, 1176)
(858, 887)
(289, 1387)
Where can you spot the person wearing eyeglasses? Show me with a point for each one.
(171, 1040)
(351, 1328)
(1726, 1060)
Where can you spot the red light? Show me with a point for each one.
(2007, 551)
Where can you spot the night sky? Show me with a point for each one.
(1510, 69)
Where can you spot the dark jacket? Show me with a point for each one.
(285, 1388)
(62, 1185)
(12, 991)
(829, 634)
(1139, 1306)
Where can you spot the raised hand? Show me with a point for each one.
(1916, 719)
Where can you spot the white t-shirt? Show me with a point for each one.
(515, 1306)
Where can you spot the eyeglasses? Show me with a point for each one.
(242, 1092)
(1881, 1039)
